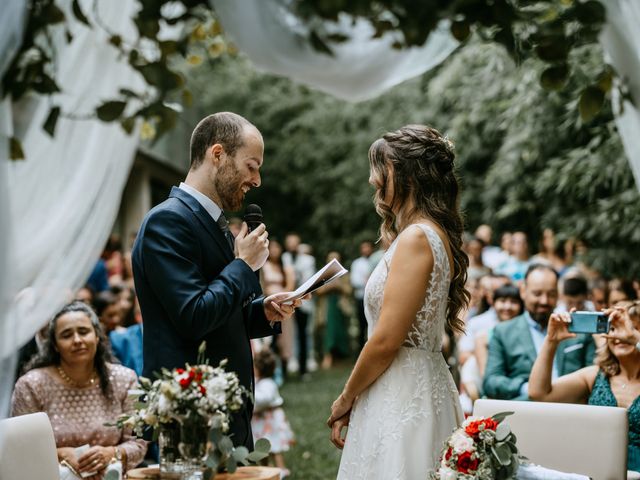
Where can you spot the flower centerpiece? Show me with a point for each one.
(481, 449)
(189, 410)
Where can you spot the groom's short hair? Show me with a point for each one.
(225, 128)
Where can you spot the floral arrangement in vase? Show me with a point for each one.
(189, 410)
(481, 449)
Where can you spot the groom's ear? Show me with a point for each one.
(216, 154)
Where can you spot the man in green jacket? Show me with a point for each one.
(515, 344)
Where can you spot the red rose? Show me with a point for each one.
(179, 371)
(466, 463)
(472, 429)
(203, 390)
(184, 382)
(447, 455)
(490, 424)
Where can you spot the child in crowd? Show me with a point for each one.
(269, 420)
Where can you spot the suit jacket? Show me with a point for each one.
(512, 354)
(191, 289)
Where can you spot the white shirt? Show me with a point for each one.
(360, 271)
(208, 204)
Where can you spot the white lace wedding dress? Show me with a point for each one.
(400, 423)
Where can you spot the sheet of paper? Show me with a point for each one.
(330, 272)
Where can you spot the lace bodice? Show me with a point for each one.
(428, 328)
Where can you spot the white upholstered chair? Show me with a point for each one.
(566, 437)
(28, 448)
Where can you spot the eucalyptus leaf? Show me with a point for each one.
(499, 417)
(262, 445)
(502, 432)
(225, 445)
(232, 466)
(215, 435)
(208, 474)
(213, 459)
(555, 77)
(256, 456)
(240, 453)
(502, 454)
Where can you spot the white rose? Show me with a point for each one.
(164, 405)
(461, 442)
(447, 474)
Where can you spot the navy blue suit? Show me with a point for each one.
(191, 289)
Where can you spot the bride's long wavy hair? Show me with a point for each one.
(422, 164)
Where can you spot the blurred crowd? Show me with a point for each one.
(513, 297)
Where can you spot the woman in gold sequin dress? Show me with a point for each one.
(75, 384)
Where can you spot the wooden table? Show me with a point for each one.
(243, 473)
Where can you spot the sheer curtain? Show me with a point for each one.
(276, 41)
(621, 41)
(63, 199)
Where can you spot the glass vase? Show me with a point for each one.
(193, 448)
(171, 464)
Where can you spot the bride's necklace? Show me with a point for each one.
(73, 383)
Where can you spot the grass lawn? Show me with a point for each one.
(307, 406)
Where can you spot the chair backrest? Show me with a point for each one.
(570, 438)
(28, 448)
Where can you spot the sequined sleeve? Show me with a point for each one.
(134, 448)
(26, 396)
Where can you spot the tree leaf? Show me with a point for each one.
(590, 104)
(110, 111)
(51, 121)
(555, 77)
(15, 149)
(78, 13)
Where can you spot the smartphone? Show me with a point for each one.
(589, 322)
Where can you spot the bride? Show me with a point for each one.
(400, 402)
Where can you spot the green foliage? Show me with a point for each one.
(525, 157)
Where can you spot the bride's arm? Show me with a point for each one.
(404, 294)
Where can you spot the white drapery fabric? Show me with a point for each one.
(276, 41)
(63, 199)
(621, 40)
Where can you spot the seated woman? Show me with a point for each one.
(615, 379)
(75, 384)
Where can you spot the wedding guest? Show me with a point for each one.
(112, 256)
(275, 278)
(108, 309)
(74, 382)
(492, 256)
(599, 294)
(574, 294)
(126, 345)
(125, 296)
(474, 248)
(86, 295)
(361, 268)
(330, 312)
(304, 266)
(269, 420)
(507, 305)
(551, 252)
(482, 322)
(613, 381)
(516, 266)
(515, 344)
(621, 289)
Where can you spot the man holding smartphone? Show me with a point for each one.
(516, 344)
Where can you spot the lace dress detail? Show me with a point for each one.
(400, 423)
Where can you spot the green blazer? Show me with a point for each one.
(512, 354)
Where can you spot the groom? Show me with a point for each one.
(194, 281)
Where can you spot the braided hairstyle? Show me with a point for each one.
(422, 162)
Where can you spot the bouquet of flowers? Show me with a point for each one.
(481, 449)
(195, 403)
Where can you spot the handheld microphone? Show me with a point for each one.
(253, 216)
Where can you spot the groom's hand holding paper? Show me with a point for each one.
(327, 274)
